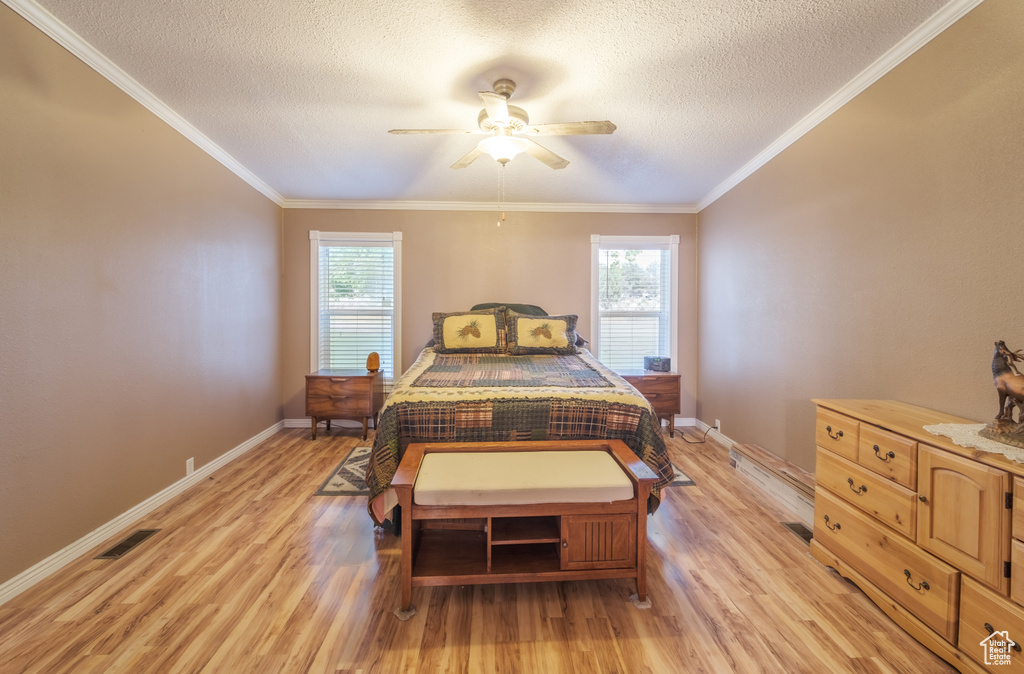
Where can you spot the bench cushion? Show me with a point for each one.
(518, 478)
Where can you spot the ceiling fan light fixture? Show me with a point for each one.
(502, 148)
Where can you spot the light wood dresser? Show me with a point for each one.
(929, 530)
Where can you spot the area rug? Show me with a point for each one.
(347, 478)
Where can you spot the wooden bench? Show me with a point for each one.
(532, 513)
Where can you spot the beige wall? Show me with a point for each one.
(139, 302)
(879, 256)
(453, 260)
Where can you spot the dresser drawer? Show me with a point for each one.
(921, 583)
(890, 455)
(1018, 508)
(1017, 571)
(983, 615)
(837, 432)
(889, 503)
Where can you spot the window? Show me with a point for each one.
(355, 300)
(634, 281)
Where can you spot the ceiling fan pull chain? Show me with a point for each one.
(501, 194)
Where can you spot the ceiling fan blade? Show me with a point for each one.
(545, 155)
(497, 107)
(570, 128)
(468, 158)
(409, 132)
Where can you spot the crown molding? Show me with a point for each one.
(74, 43)
(64, 36)
(337, 204)
(922, 35)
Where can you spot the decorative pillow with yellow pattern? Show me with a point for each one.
(541, 334)
(470, 331)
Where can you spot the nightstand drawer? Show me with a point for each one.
(655, 384)
(922, 583)
(837, 433)
(886, 501)
(339, 406)
(663, 404)
(329, 387)
(662, 391)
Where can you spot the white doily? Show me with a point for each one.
(966, 435)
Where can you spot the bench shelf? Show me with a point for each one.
(526, 542)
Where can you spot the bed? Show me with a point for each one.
(497, 375)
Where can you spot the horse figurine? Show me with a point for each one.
(1008, 382)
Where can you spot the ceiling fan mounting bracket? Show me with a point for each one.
(504, 87)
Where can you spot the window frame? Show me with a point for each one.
(600, 242)
(318, 238)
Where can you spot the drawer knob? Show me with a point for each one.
(837, 527)
(923, 585)
(838, 434)
(884, 457)
(863, 489)
(992, 630)
(922, 498)
(565, 544)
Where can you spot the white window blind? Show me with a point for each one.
(356, 300)
(635, 298)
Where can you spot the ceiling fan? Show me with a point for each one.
(507, 124)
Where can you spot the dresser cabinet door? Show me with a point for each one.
(962, 515)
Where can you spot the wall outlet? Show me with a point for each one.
(718, 425)
(190, 465)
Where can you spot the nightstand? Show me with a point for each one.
(344, 394)
(661, 390)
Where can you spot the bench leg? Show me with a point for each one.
(406, 516)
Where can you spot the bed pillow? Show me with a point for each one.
(470, 331)
(530, 309)
(541, 334)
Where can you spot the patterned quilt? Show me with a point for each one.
(500, 398)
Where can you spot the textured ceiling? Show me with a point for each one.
(303, 92)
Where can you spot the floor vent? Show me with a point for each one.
(127, 544)
(800, 530)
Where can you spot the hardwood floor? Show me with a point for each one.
(253, 573)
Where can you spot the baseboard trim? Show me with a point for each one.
(26, 579)
(703, 427)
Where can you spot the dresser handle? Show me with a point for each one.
(860, 490)
(837, 527)
(923, 585)
(884, 457)
(991, 630)
(838, 435)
